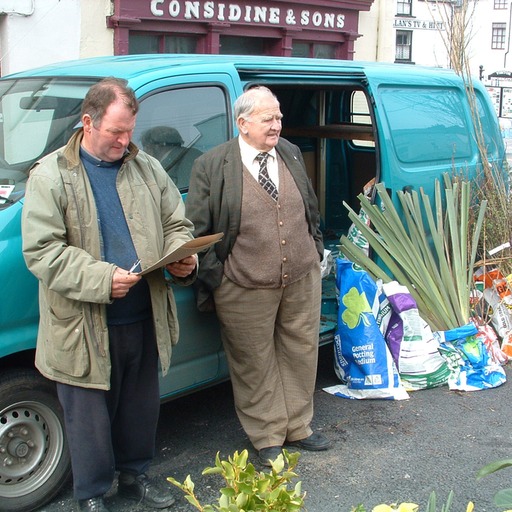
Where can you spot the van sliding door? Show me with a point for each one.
(333, 127)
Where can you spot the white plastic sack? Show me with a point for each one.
(412, 343)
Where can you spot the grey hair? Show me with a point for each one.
(246, 102)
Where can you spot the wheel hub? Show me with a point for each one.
(19, 447)
(24, 443)
(34, 460)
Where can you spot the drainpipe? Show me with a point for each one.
(509, 28)
(381, 30)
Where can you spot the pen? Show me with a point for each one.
(134, 266)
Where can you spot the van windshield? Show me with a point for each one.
(37, 116)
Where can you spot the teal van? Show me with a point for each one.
(402, 125)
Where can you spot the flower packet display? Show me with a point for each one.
(490, 339)
(498, 298)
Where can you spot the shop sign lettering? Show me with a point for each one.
(419, 24)
(209, 10)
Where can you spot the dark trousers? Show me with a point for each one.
(115, 430)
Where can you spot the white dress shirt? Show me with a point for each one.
(249, 155)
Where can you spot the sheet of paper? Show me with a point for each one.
(187, 249)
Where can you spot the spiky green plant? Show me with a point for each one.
(427, 248)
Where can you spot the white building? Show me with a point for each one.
(419, 31)
(38, 32)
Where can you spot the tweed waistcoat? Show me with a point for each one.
(274, 247)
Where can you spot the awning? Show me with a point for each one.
(501, 74)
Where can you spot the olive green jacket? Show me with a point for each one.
(62, 248)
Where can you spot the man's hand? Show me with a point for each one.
(184, 267)
(122, 281)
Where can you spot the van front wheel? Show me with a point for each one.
(34, 456)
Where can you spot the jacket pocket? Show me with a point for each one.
(66, 345)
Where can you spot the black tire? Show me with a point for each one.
(34, 456)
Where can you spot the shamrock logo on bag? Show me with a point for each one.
(357, 305)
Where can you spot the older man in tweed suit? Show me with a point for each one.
(263, 278)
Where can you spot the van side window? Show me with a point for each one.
(427, 124)
(360, 114)
(178, 125)
(489, 128)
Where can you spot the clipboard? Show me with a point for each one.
(187, 249)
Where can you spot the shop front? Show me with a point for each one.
(318, 29)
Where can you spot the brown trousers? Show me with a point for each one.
(270, 338)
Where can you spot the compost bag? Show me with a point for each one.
(363, 361)
(470, 363)
(411, 342)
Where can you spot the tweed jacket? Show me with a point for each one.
(214, 202)
(62, 248)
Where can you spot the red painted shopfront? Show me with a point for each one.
(325, 28)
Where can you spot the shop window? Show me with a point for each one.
(233, 45)
(404, 8)
(143, 44)
(177, 44)
(160, 43)
(498, 36)
(178, 125)
(403, 46)
(313, 50)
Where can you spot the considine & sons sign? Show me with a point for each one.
(210, 10)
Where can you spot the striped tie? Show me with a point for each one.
(264, 178)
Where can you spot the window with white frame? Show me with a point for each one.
(403, 45)
(498, 36)
(500, 4)
(404, 7)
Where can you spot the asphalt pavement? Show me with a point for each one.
(383, 451)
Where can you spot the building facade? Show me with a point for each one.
(318, 28)
(34, 33)
(421, 32)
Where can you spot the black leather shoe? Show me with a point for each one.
(316, 442)
(265, 455)
(141, 489)
(92, 505)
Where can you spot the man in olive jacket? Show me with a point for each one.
(93, 210)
